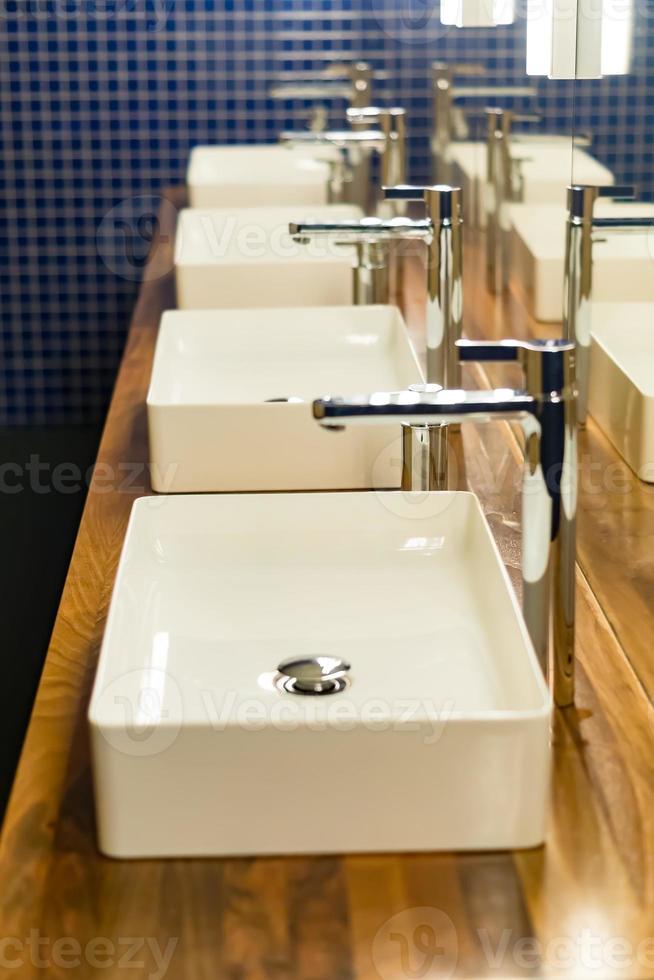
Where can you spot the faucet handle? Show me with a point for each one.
(509, 350)
(373, 138)
(405, 192)
(460, 68)
(443, 200)
(344, 69)
(354, 70)
(500, 119)
(373, 111)
(581, 197)
(548, 364)
(625, 192)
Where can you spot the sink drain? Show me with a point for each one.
(285, 400)
(313, 675)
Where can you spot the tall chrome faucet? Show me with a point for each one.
(388, 140)
(393, 161)
(578, 270)
(372, 238)
(503, 186)
(447, 125)
(546, 411)
(441, 232)
(355, 147)
(444, 276)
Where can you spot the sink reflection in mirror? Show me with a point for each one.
(621, 388)
(622, 264)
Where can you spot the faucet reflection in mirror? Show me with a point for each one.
(578, 268)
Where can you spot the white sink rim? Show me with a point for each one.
(621, 390)
(341, 501)
(273, 220)
(210, 407)
(241, 164)
(637, 373)
(319, 322)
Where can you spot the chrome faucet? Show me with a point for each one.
(444, 242)
(357, 89)
(393, 160)
(448, 123)
(578, 269)
(546, 412)
(388, 140)
(372, 238)
(503, 186)
(355, 146)
(441, 232)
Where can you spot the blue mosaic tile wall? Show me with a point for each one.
(102, 100)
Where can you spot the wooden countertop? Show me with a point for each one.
(582, 906)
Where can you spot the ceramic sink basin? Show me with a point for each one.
(546, 170)
(246, 258)
(215, 417)
(441, 740)
(257, 176)
(621, 390)
(622, 264)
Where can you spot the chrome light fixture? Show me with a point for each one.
(578, 39)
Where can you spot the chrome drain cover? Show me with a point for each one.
(313, 675)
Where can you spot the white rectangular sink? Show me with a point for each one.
(623, 265)
(257, 176)
(246, 258)
(546, 168)
(440, 742)
(215, 417)
(621, 390)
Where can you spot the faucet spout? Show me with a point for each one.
(365, 230)
(372, 238)
(343, 138)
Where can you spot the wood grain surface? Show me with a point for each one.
(582, 906)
